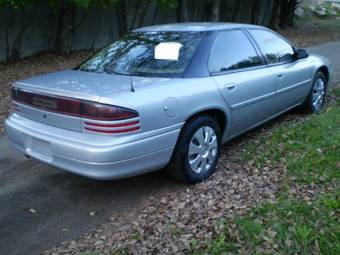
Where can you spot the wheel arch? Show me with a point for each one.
(324, 69)
(219, 115)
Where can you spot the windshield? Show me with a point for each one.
(146, 53)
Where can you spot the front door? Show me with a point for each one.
(293, 77)
(246, 84)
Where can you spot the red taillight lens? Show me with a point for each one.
(106, 112)
(74, 107)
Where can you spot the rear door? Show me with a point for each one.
(246, 84)
(293, 77)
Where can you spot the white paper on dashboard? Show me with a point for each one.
(167, 50)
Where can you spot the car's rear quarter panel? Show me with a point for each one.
(193, 95)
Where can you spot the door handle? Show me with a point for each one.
(280, 75)
(230, 86)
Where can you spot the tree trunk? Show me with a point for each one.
(185, 8)
(155, 13)
(274, 16)
(16, 51)
(99, 21)
(134, 17)
(237, 9)
(62, 43)
(287, 13)
(75, 26)
(122, 16)
(255, 11)
(266, 13)
(145, 9)
(179, 12)
(6, 35)
(214, 14)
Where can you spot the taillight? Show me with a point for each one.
(109, 119)
(97, 117)
(106, 112)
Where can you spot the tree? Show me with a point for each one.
(9, 7)
(274, 15)
(66, 10)
(236, 11)
(122, 12)
(214, 14)
(287, 13)
(70, 15)
(255, 11)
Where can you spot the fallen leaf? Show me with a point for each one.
(272, 233)
(93, 213)
(31, 210)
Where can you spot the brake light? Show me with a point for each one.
(106, 114)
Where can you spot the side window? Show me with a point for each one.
(232, 50)
(275, 48)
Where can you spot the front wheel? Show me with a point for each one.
(197, 150)
(316, 96)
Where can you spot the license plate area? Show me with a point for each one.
(40, 149)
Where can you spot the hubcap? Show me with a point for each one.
(318, 94)
(203, 150)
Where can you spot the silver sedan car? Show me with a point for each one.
(164, 96)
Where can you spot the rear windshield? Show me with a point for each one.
(146, 53)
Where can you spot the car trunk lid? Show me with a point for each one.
(44, 95)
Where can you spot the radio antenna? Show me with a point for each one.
(132, 89)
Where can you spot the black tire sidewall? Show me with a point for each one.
(188, 133)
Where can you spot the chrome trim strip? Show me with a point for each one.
(292, 86)
(251, 101)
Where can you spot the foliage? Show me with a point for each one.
(54, 3)
(16, 3)
(167, 3)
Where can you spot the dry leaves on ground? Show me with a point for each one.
(172, 222)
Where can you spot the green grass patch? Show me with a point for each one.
(294, 227)
(286, 227)
(310, 151)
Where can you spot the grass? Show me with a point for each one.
(310, 151)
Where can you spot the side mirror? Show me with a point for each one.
(301, 54)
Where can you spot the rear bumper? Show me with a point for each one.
(94, 156)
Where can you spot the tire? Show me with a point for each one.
(184, 165)
(311, 105)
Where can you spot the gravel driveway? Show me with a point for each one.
(42, 206)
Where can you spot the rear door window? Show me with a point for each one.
(232, 50)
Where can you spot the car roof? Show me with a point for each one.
(193, 27)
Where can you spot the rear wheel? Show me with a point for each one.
(316, 96)
(197, 150)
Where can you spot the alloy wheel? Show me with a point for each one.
(318, 94)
